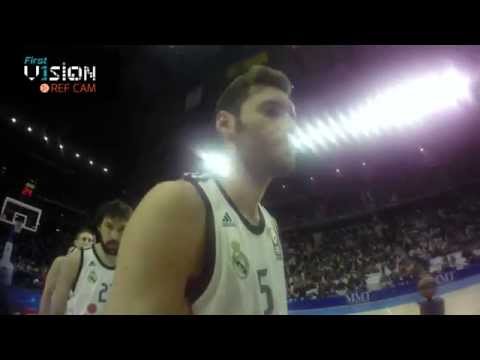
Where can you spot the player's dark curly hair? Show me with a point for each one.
(238, 90)
(83, 228)
(115, 209)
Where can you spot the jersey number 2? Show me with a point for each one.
(101, 297)
(265, 289)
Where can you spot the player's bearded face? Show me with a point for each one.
(266, 119)
(111, 231)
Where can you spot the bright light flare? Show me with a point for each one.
(316, 135)
(295, 142)
(216, 163)
(326, 132)
(403, 104)
(304, 139)
(336, 129)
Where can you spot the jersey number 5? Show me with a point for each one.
(101, 294)
(265, 289)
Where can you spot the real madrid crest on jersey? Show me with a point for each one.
(92, 277)
(239, 261)
(277, 248)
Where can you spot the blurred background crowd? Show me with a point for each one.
(391, 247)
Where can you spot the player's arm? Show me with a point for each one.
(50, 283)
(66, 279)
(161, 249)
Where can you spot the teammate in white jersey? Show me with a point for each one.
(83, 240)
(86, 276)
(207, 246)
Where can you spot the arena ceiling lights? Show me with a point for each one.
(404, 104)
(46, 140)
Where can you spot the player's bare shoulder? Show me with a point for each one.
(56, 266)
(181, 190)
(70, 262)
(57, 262)
(176, 199)
(161, 249)
(171, 210)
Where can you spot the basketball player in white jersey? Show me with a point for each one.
(206, 245)
(86, 276)
(84, 239)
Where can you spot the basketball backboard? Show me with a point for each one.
(15, 212)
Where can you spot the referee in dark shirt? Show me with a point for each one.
(431, 305)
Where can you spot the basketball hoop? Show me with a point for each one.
(13, 211)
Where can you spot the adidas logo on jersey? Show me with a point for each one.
(227, 220)
(277, 248)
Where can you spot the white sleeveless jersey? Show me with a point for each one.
(246, 272)
(90, 291)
